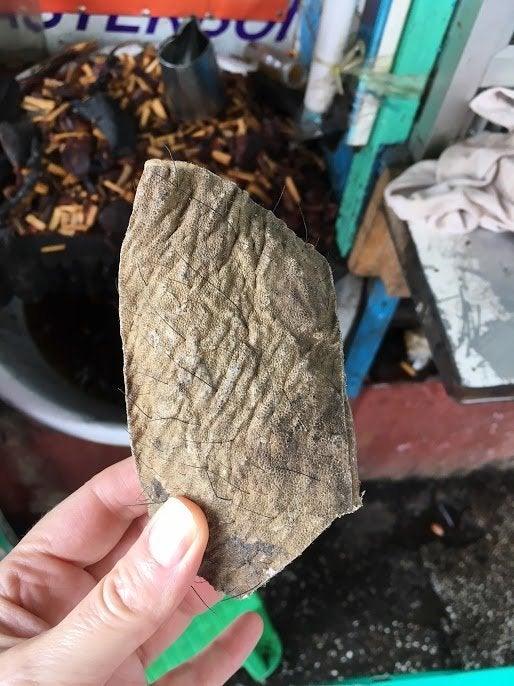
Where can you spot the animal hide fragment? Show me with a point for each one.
(233, 372)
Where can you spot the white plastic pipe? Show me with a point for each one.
(334, 30)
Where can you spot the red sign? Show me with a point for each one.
(262, 10)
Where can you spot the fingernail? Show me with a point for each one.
(172, 532)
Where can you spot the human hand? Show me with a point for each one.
(96, 591)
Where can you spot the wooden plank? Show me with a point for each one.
(373, 253)
(426, 25)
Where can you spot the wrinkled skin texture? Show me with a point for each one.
(233, 371)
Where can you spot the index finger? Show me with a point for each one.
(88, 524)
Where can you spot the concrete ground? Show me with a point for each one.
(382, 591)
(419, 579)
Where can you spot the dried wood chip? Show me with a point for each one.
(241, 175)
(264, 181)
(408, 368)
(158, 109)
(55, 219)
(35, 222)
(269, 163)
(114, 187)
(56, 170)
(51, 148)
(125, 175)
(70, 71)
(221, 157)
(253, 123)
(292, 190)
(241, 127)
(437, 529)
(130, 60)
(56, 247)
(203, 132)
(152, 66)
(142, 84)
(52, 83)
(69, 180)
(169, 139)
(178, 147)
(145, 111)
(34, 104)
(131, 83)
(255, 189)
(41, 188)
(228, 124)
(64, 135)
(189, 129)
(319, 161)
(155, 152)
(70, 208)
(51, 116)
(83, 46)
(20, 229)
(88, 72)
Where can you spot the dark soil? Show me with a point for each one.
(380, 592)
(80, 338)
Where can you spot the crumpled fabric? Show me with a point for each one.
(471, 184)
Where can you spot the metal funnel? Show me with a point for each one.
(193, 86)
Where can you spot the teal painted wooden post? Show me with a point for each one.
(495, 676)
(469, 47)
(421, 39)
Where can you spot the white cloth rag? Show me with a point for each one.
(472, 182)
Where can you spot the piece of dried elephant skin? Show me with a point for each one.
(233, 372)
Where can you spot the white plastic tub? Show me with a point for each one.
(31, 385)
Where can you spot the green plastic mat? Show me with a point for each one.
(203, 629)
(501, 676)
(7, 537)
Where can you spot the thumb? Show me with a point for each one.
(140, 593)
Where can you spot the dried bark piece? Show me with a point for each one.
(233, 372)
